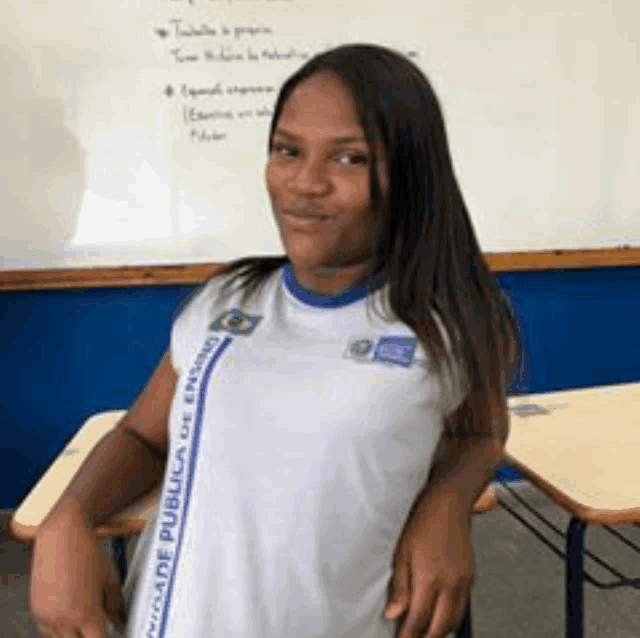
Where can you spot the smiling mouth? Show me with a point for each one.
(305, 216)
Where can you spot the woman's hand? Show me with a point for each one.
(75, 590)
(434, 569)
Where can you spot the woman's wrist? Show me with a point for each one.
(69, 515)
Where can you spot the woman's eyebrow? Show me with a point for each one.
(333, 140)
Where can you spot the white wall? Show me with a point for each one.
(99, 166)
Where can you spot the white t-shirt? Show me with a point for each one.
(301, 432)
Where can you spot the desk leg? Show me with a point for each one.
(119, 548)
(575, 578)
(464, 630)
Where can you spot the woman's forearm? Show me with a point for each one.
(120, 469)
(464, 469)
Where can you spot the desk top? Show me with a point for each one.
(37, 505)
(33, 510)
(581, 448)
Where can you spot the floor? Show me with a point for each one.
(519, 589)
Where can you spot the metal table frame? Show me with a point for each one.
(575, 574)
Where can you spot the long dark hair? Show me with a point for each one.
(424, 242)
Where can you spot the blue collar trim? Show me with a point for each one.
(312, 299)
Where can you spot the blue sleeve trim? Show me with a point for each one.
(185, 302)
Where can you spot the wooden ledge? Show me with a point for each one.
(194, 274)
(592, 516)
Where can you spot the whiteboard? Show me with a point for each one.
(135, 131)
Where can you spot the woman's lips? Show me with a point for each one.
(304, 220)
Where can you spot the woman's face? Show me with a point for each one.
(319, 168)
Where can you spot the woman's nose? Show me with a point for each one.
(308, 178)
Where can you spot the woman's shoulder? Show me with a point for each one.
(209, 288)
(228, 283)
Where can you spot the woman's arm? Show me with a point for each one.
(127, 462)
(465, 468)
(433, 566)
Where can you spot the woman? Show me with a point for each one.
(303, 428)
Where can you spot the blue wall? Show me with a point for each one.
(68, 355)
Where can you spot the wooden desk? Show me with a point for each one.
(24, 522)
(580, 447)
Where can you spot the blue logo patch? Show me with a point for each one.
(398, 350)
(236, 322)
(360, 348)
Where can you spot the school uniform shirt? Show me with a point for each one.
(301, 432)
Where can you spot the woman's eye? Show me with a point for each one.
(277, 148)
(355, 159)
(352, 158)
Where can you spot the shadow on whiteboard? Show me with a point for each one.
(42, 165)
(128, 196)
